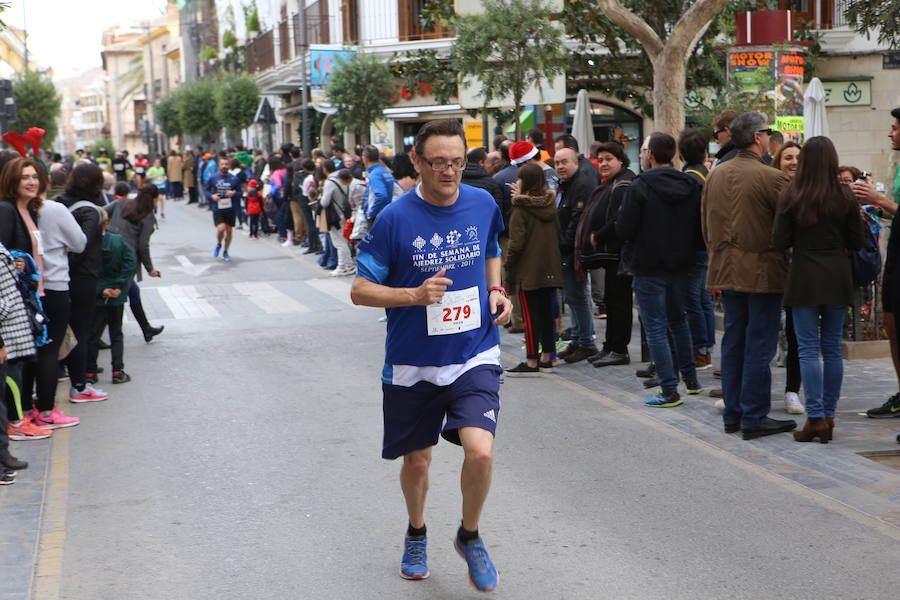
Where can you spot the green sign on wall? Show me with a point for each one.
(848, 92)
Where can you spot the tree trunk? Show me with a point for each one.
(669, 87)
(518, 102)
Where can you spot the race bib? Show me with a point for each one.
(457, 312)
(224, 202)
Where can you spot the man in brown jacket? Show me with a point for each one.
(188, 165)
(738, 210)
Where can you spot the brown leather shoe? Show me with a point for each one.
(716, 393)
(814, 428)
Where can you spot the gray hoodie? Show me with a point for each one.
(60, 234)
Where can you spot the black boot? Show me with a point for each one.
(149, 331)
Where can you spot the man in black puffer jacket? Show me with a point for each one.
(659, 223)
(477, 176)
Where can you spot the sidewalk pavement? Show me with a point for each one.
(836, 470)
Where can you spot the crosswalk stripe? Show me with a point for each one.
(339, 289)
(269, 299)
(185, 302)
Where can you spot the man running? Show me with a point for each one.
(222, 190)
(432, 258)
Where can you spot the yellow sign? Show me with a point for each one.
(474, 134)
(786, 124)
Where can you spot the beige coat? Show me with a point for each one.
(187, 167)
(174, 168)
(738, 211)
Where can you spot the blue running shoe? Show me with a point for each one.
(226, 256)
(663, 400)
(482, 574)
(216, 250)
(414, 564)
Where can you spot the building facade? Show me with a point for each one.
(141, 63)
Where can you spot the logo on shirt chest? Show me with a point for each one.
(453, 250)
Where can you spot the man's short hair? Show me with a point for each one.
(498, 139)
(662, 147)
(443, 127)
(568, 141)
(121, 189)
(896, 113)
(371, 154)
(338, 148)
(504, 149)
(745, 126)
(476, 155)
(537, 136)
(308, 165)
(345, 175)
(328, 166)
(692, 146)
(723, 119)
(616, 150)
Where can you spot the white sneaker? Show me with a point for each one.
(792, 404)
(720, 405)
(345, 272)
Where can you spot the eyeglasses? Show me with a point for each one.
(767, 131)
(440, 165)
(717, 132)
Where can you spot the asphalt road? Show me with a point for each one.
(243, 462)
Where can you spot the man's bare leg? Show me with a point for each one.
(220, 232)
(414, 483)
(228, 231)
(475, 480)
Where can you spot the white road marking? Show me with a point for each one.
(339, 289)
(188, 267)
(185, 302)
(269, 299)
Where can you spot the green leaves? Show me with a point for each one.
(197, 108)
(237, 98)
(360, 88)
(167, 116)
(511, 47)
(876, 15)
(38, 105)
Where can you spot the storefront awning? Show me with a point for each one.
(526, 122)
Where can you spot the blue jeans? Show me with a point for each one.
(576, 295)
(329, 258)
(700, 307)
(661, 302)
(820, 328)
(748, 346)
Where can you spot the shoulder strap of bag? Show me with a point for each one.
(81, 204)
(697, 173)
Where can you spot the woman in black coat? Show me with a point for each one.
(819, 219)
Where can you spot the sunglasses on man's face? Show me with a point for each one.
(767, 131)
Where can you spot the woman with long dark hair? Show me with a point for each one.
(83, 197)
(133, 219)
(819, 219)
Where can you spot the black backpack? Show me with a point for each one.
(866, 262)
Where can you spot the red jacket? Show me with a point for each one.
(254, 203)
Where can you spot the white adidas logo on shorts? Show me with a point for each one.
(490, 415)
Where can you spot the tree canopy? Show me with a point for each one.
(38, 104)
(167, 114)
(509, 48)
(882, 16)
(360, 89)
(197, 108)
(237, 98)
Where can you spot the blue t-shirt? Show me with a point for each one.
(221, 184)
(411, 241)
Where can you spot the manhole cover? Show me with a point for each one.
(888, 458)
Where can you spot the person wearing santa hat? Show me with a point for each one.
(526, 152)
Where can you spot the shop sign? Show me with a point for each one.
(848, 93)
(789, 125)
(474, 134)
(891, 60)
(323, 62)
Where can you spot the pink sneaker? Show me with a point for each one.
(88, 394)
(55, 420)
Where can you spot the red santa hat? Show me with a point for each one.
(521, 152)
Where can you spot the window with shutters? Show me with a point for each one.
(410, 28)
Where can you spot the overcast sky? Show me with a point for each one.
(66, 34)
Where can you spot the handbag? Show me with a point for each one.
(348, 229)
(360, 225)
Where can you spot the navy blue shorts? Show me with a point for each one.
(415, 416)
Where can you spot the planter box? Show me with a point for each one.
(866, 350)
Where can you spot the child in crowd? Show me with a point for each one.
(254, 207)
(121, 191)
(119, 265)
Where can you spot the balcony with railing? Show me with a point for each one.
(261, 52)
